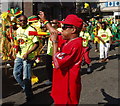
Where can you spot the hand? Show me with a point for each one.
(54, 37)
(110, 42)
(25, 56)
(42, 16)
(52, 30)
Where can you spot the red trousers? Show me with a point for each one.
(86, 55)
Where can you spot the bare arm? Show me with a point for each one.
(100, 39)
(53, 32)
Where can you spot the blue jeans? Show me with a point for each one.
(22, 70)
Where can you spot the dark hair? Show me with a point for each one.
(78, 30)
(105, 25)
(23, 16)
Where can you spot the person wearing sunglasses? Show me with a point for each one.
(23, 62)
(66, 84)
(49, 67)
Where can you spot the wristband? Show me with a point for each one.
(54, 41)
(46, 22)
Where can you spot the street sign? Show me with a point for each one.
(112, 4)
(117, 3)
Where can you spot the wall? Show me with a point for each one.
(28, 8)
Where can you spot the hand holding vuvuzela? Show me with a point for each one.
(52, 30)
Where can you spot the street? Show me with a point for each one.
(99, 87)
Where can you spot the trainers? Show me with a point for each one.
(106, 60)
(89, 70)
(102, 60)
(48, 82)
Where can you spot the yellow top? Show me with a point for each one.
(86, 37)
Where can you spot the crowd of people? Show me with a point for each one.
(69, 43)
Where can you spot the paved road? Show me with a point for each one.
(99, 87)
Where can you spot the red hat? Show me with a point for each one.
(73, 20)
(33, 18)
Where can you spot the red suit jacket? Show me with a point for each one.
(66, 85)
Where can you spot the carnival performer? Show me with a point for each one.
(66, 85)
(95, 32)
(104, 35)
(35, 23)
(86, 44)
(23, 61)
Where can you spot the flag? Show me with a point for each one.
(32, 18)
(86, 5)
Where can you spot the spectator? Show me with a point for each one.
(86, 44)
(104, 35)
(66, 85)
(23, 61)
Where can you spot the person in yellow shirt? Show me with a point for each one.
(23, 62)
(104, 35)
(95, 32)
(86, 38)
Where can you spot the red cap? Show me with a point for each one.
(73, 20)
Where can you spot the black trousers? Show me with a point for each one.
(49, 67)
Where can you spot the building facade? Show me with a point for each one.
(59, 10)
(110, 8)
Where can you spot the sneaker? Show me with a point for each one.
(106, 60)
(89, 70)
(48, 82)
(102, 60)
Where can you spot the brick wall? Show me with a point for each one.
(28, 8)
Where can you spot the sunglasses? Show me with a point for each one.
(64, 27)
(53, 22)
(22, 20)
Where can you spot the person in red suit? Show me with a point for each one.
(66, 84)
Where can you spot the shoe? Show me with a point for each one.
(48, 82)
(102, 60)
(106, 60)
(89, 70)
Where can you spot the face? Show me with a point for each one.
(23, 21)
(103, 25)
(54, 23)
(67, 31)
